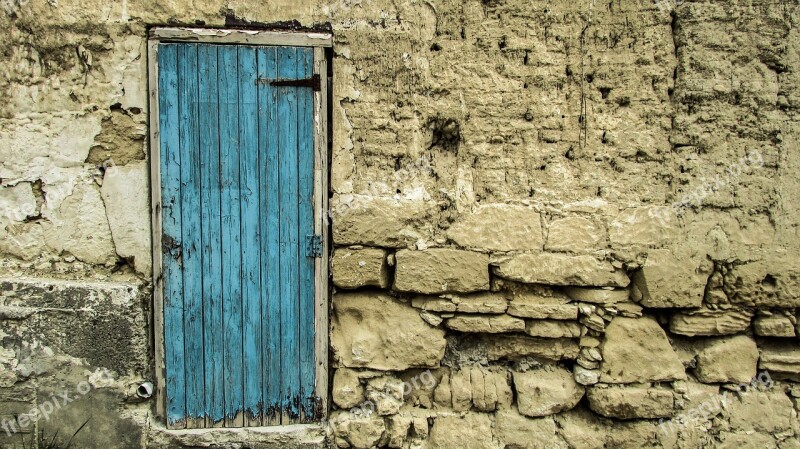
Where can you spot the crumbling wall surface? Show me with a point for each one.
(555, 224)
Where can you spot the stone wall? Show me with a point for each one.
(553, 223)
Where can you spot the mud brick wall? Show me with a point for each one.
(554, 224)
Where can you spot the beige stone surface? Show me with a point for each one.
(597, 295)
(498, 227)
(511, 347)
(631, 402)
(546, 391)
(770, 282)
(706, 322)
(126, 200)
(361, 267)
(672, 278)
(441, 270)
(358, 431)
(386, 222)
(574, 234)
(641, 226)
(347, 390)
(561, 269)
(372, 330)
(519, 431)
(485, 302)
(492, 324)
(637, 350)
(470, 431)
(552, 329)
(778, 325)
(779, 357)
(727, 360)
(542, 308)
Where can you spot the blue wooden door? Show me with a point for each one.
(237, 173)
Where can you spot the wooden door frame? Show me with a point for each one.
(316, 40)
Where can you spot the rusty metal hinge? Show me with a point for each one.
(313, 246)
(315, 82)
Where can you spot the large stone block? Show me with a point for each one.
(360, 267)
(358, 431)
(708, 322)
(101, 323)
(642, 226)
(727, 360)
(631, 402)
(776, 325)
(552, 329)
(515, 346)
(492, 324)
(780, 357)
(561, 269)
(485, 389)
(574, 234)
(668, 279)
(484, 302)
(540, 307)
(469, 431)
(499, 227)
(598, 295)
(773, 282)
(546, 391)
(636, 350)
(371, 330)
(387, 222)
(127, 201)
(441, 270)
(518, 431)
(347, 391)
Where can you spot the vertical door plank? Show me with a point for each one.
(171, 234)
(211, 232)
(289, 238)
(231, 243)
(305, 136)
(190, 224)
(270, 232)
(251, 255)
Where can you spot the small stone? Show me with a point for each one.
(597, 295)
(592, 354)
(361, 432)
(594, 322)
(727, 360)
(354, 268)
(586, 363)
(774, 326)
(631, 402)
(386, 393)
(498, 227)
(552, 329)
(637, 350)
(585, 376)
(431, 318)
(561, 269)
(546, 391)
(707, 322)
(589, 342)
(486, 323)
(441, 270)
(629, 309)
(347, 389)
(513, 347)
(542, 308)
(780, 357)
(574, 234)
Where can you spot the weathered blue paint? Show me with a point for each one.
(289, 235)
(211, 232)
(237, 185)
(305, 136)
(190, 226)
(270, 230)
(251, 232)
(171, 233)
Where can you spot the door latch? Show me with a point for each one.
(315, 82)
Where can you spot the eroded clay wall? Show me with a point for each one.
(566, 224)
